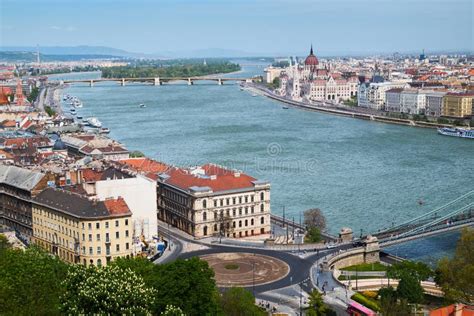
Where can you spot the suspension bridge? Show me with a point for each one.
(453, 215)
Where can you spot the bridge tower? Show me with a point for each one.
(123, 82)
(157, 81)
(220, 82)
(91, 83)
(372, 249)
(190, 82)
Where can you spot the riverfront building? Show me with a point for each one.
(82, 230)
(372, 95)
(213, 201)
(458, 105)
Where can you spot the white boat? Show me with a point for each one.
(78, 104)
(94, 122)
(104, 130)
(142, 105)
(457, 132)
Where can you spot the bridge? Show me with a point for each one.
(157, 81)
(453, 215)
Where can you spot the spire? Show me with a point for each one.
(311, 51)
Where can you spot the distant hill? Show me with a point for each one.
(72, 50)
(28, 56)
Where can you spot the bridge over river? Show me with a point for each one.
(453, 215)
(158, 81)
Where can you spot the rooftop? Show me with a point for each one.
(20, 178)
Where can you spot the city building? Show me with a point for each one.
(272, 73)
(82, 230)
(372, 95)
(457, 105)
(95, 146)
(17, 188)
(412, 101)
(392, 100)
(213, 201)
(434, 103)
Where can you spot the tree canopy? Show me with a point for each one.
(314, 218)
(238, 301)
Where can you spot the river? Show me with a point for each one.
(361, 174)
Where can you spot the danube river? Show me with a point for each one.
(361, 174)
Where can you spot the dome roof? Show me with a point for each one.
(311, 60)
(59, 145)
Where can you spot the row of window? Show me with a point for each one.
(234, 212)
(234, 200)
(107, 249)
(97, 224)
(107, 237)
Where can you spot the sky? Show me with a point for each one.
(266, 27)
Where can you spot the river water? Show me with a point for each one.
(361, 174)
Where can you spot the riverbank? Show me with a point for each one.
(347, 113)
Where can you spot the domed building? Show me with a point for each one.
(311, 62)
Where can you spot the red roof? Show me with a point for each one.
(145, 165)
(118, 206)
(91, 175)
(462, 310)
(215, 177)
(311, 60)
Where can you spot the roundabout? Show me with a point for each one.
(245, 269)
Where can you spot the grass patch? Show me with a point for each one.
(377, 266)
(367, 302)
(352, 278)
(231, 266)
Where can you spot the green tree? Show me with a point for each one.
(237, 301)
(456, 275)
(317, 307)
(421, 271)
(4, 244)
(390, 305)
(313, 235)
(189, 285)
(33, 95)
(136, 154)
(105, 290)
(172, 311)
(409, 288)
(30, 282)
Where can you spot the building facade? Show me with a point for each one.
(213, 201)
(457, 105)
(373, 95)
(80, 230)
(434, 103)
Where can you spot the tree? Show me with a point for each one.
(421, 271)
(4, 244)
(317, 307)
(313, 235)
(189, 284)
(456, 275)
(30, 282)
(237, 301)
(390, 305)
(172, 311)
(409, 288)
(314, 218)
(105, 290)
(136, 154)
(224, 223)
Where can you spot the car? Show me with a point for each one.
(330, 246)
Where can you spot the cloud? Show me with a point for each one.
(61, 28)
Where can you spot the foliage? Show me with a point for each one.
(442, 120)
(33, 95)
(376, 266)
(456, 275)
(352, 101)
(317, 307)
(239, 301)
(231, 266)
(4, 244)
(136, 154)
(275, 84)
(367, 302)
(417, 117)
(29, 282)
(370, 294)
(49, 111)
(390, 305)
(314, 218)
(105, 290)
(313, 235)
(471, 123)
(153, 70)
(409, 288)
(419, 270)
(172, 311)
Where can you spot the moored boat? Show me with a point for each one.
(456, 132)
(94, 122)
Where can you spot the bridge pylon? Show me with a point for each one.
(157, 81)
(220, 82)
(190, 82)
(122, 83)
(91, 83)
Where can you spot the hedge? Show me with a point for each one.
(359, 298)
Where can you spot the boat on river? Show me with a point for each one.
(141, 105)
(94, 122)
(456, 132)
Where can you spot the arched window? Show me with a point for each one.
(99, 263)
(262, 220)
(262, 196)
(205, 231)
(246, 223)
(204, 204)
(215, 227)
(92, 262)
(204, 216)
(262, 208)
(215, 215)
(251, 222)
(240, 223)
(233, 224)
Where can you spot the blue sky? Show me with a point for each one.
(266, 26)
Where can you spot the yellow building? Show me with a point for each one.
(457, 105)
(80, 230)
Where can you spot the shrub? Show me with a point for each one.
(370, 294)
(367, 302)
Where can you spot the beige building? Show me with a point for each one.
(80, 230)
(457, 105)
(213, 201)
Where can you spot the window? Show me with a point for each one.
(126, 222)
(262, 220)
(233, 224)
(83, 250)
(215, 215)
(205, 231)
(246, 223)
(240, 223)
(227, 212)
(98, 237)
(89, 225)
(233, 200)
(251, 198)
(127, 246)
(82, 225)
(117, 247)
(233, 211)
(240, 199)
(106, 224)
(117, 223)
(99, 250)
(91, 250)
(262, 208)
(97, 225)
(251, 222)
(215, 203)
(117, 235)
(262, 196)
(215, 227)
(240, 211)
(227, 201)
(83, 237)
(246, 210)
(252, 209)
(246, 199)
(204, 216)
(126, 233)
(99, 263)
(204, 204)
(90, 237)
(107, 237)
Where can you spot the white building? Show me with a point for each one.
(434, 103)
(412, 101)
(372, 95)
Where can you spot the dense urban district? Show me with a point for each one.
(88, 227)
